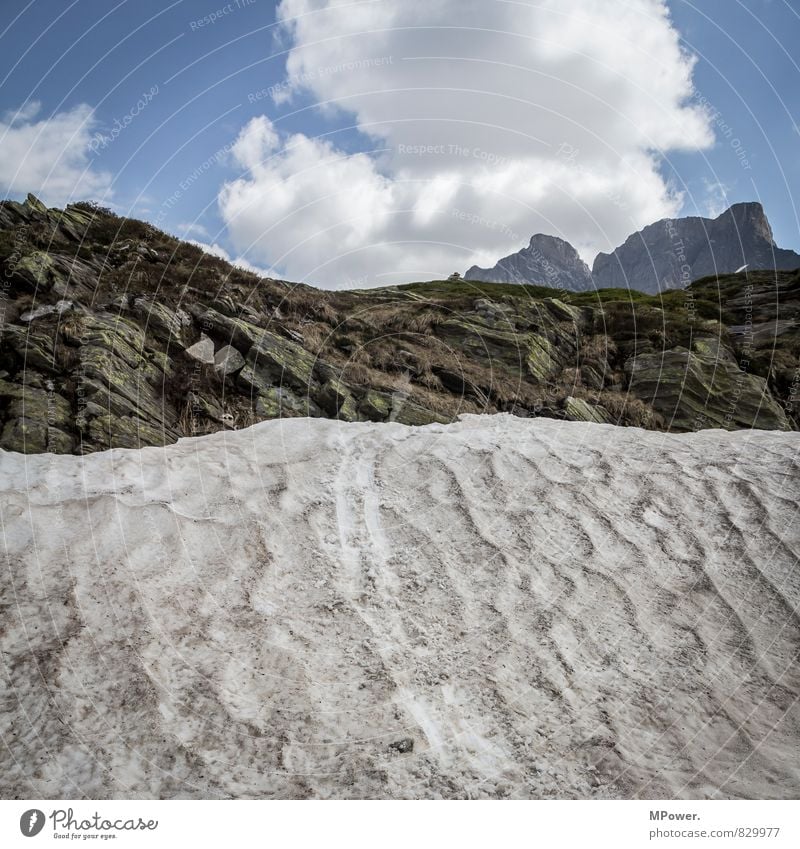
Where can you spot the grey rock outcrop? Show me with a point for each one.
(228, 361)
(671, 253)
(202, 351)
(547, 261)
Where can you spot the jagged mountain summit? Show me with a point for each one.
(668, 254)
(548, 261)
(671, 253)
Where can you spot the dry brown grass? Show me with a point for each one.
(316, 336)
(597, 348)
(420, 322)
(301, 303)
(357, 374)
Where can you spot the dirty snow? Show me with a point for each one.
(495, 608)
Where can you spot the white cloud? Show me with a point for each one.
(23, 114)
(192, 228)
(218, 251)
(50, 157)
(716, 198)
(548, 117)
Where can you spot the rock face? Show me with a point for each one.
(116, 335)
(547, 261)
(670, 254)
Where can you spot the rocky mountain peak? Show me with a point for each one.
(668, 254)
(547, 261)
(748, 218)
(671, 253)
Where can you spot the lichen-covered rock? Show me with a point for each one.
(333, 396)
(286, 361)
(348, 411)
(562, 311)
(37, 417)
(125, 432)
(375, 406)
(280, 402)
(541, 359)
(171, 326)
(578, 410)
(33, 349)
(57, 308)
(106, 330)
(34, 204)
(409, 413)
(39, 404)
(703, 388)
(227, 361)
(25, 436)
(202, 351)
(36, 271)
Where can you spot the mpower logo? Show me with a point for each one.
(65, 823)
(31, 822)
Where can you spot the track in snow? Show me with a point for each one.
(545, 609)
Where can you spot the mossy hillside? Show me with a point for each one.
(117, 304)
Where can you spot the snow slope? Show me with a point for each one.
(544, 609)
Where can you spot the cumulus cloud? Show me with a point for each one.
(481, 124)
(50, 156)
(213, 249)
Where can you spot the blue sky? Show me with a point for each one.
(162, 93)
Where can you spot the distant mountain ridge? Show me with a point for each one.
(668, 254)
(547, 258)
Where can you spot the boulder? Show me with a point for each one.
(227, 361)
(376, 406)
(35, 205)
(202, 351)
(284, 360)
(58, 308)
(35, 270)
(333, 395)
